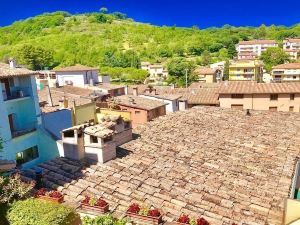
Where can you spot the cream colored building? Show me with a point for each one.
(292, 47)
(246, 70)
(207, 75)
(156, 71)
(253, 49)
(286, 72)
(260, 96)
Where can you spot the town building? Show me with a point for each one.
(220, 66)
(142, 109)
(260, 96)
(220, 164)
(45, 78)
(96, 142)
(156, 71)
(24, 139)
(246, 70)
(112, 90)
(253, 49)
(292, 47)
(208, 75)
(286, 72)
(78, 75)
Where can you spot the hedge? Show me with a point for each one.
(103, 220)
(35, 211)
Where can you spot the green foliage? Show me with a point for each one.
(103, 10)
(124, 73)
(113, 58)
(103, 220)
(177, 67)
(35, 211)
(35, 58)
(274, 56)
(226, 70)
(12, 188)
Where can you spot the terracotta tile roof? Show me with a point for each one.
(208, 161)
(77, 67)
(205, 71)
(246, 87)
(164, 96)
(108, 87)
(99, 130)
(204, 85)
(288, 66)
(138, 102)
(6, 71)
(295, 40)
(255, 42)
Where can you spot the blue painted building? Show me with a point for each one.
(24, 138)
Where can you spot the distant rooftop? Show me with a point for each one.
(77, 67)
(288, 66)
(6, 71)
(255, 42)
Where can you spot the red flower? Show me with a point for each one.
(202, 221)
(134, 208)
(101, 203)
(55, 194)
(184, 219)
(154, 213)
(86, 200)
(41, 192)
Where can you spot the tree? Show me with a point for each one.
(103, 10)
(226, 71)
(206, 58)
(177, 67)
(274, 56)
(36, 58)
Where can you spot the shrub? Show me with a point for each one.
(55, 194)
(94, 202)
(102, 220)
(12, 188)
(35, 211)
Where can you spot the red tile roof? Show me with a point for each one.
(288, 66)
(75, 68)
(6, 71)
(255, 42)
(205, 71)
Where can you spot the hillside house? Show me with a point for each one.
(289, 72)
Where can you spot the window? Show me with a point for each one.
(137, 112)
(94, 139)
(291, 109)
(273, 109)
(69, 133)
(27, 155)
(292, 97)
(237, 96)
(107, 139)
(274, 97)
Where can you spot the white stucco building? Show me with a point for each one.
(286, 72)
(292, 47)
(78, 75)
(156, 71)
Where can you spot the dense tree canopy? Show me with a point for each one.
(274, 56)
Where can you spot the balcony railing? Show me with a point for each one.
(28, 128)
(16, 93)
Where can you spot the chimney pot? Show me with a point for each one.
(12, 63)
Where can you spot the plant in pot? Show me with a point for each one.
(95, 205)
(184, 219)
(54, 196)
(144, 215)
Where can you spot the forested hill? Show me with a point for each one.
(113, 40)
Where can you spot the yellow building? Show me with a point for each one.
(246, 70)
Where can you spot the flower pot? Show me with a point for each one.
(48, 198)
(97, 209)
(144, 219)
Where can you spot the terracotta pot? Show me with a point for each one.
(48, 198)
(144, 219)
(97, 209)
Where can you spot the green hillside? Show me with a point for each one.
(113, 40)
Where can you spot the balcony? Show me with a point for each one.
(16, 93)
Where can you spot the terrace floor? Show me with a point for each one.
(209, 161)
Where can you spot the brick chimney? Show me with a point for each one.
(12, 63)
(135, 91)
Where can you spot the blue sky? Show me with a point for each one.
(183, 13)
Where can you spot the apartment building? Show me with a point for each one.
(260, 96)
(248, 50)
(208, 75)
(245, 70)
(292, 47)
(156, 71)
(286, 72)
(24, 140)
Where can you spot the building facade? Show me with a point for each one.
(248, 50)
(79, 76)
(24, 139)
(246, 70)
(284, 97)
(292, 47)
(289, 72)
(156, 71)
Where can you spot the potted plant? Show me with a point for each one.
(184, 219)
(93, 204)
(144, 215)
(54, 196)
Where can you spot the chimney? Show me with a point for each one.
(126, 90)
(12, 63)
(135, 91)
(172, 86)
(154, 91)
(248, 112)
(50, 101)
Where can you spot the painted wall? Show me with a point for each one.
(79, 78)
(124, 114)
(84, 113)
(172, 105)
(261, 102)
(292, 211)
(55, 122)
